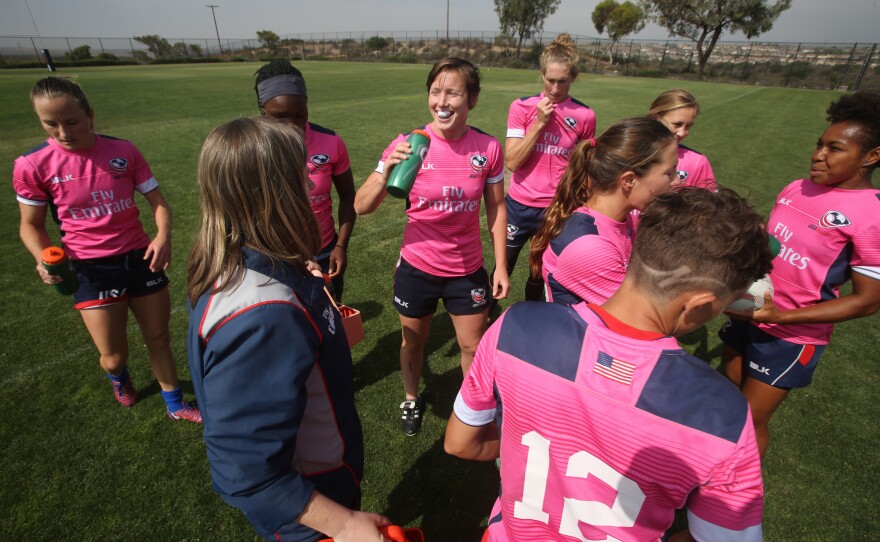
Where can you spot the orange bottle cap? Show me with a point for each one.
(422, 132)
(52, 255)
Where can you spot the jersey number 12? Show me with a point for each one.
(622, 513)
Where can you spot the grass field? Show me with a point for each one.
(75, 466)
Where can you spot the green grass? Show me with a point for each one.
(76, 466)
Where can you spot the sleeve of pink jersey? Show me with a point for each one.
(478, 388)
(588, 266)
(706, 177)
(26, 183)
(866, 245)
(733, 498)
(142, 172)
(496, 159)
(589, 125)
(517, 117)
(343, 163)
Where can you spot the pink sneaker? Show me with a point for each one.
(125, 393)
(189, 412)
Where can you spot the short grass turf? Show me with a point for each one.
(76, 466)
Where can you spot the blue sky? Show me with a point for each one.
(821, 21)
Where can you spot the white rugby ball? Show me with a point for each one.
(753, 299)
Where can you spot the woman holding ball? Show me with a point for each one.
(829, 228)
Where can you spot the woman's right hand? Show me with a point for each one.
(46, 277)
(544, 111)
(400, 153)
(372, 192)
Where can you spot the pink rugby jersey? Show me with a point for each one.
(328, 157)
(588, 259)
(90, 193)
(534, 182)
(826, 235)
(442, 235)
(607, 437)
(694, 170)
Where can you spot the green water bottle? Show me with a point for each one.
(404, 174)
(56, 263)
(775, 246)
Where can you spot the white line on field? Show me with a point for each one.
(735, 98)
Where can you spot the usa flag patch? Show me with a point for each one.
(614, 369)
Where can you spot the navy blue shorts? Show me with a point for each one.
(416, 293)
(769, 359)
(522, 222)
(105, 281)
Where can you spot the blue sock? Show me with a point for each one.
(121, 379)
(174, 399)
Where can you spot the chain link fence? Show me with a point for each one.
(842, 66)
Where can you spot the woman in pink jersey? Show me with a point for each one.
(542, 130)
(442, 254)
(89, 181)
(281, 94)
(583, 248)
(678, 110)
(829, 229)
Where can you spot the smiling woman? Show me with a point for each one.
(442, 254)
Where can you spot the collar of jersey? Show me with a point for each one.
(621, 328)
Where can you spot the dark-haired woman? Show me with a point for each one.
(281, 94)
(829, 229)
(89, 182)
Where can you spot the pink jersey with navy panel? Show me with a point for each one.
(534, 182)
(442, 235)
(587, 261)
(826, 235)
(328, 157)
(611, 434)
(694, 170)
(90, 193)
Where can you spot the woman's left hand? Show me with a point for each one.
(338, 261)
(159, 254)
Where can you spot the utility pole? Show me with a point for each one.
(447, 27)
(212, 6)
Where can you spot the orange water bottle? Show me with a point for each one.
(56, 263)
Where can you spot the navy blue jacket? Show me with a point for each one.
(273, 377)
